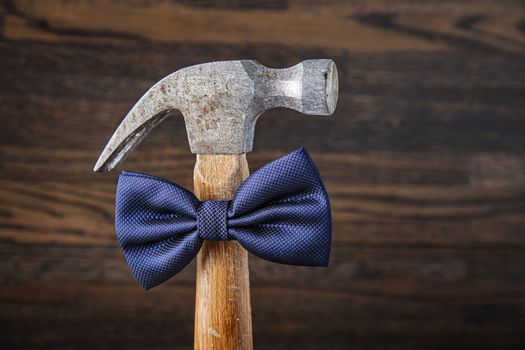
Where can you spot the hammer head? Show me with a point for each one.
(221, 101)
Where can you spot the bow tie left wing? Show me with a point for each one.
(282, 213)
(156, 224)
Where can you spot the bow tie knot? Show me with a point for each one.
(212, 220)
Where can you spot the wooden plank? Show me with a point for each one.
(383, 105)
(378, 30)
(366, 214)
(392, 271)
(52, 315)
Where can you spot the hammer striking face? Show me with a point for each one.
(221, 101)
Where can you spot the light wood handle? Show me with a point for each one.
(222, 308)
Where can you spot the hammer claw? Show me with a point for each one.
(122, 142)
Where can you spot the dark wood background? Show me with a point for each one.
(424, 161)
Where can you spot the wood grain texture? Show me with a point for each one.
(424, 161)
(223, 315)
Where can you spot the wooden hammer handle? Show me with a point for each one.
(222, 309)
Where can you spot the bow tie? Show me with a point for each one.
(281, 213)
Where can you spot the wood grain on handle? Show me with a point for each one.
(222, 308)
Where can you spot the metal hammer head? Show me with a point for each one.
(221, 101)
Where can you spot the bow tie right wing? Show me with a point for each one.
(282, 213)
(156, 225)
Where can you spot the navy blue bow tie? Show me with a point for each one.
(280, 213)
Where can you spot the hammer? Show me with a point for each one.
(220, 102)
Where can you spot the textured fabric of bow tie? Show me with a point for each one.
(280, 213)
